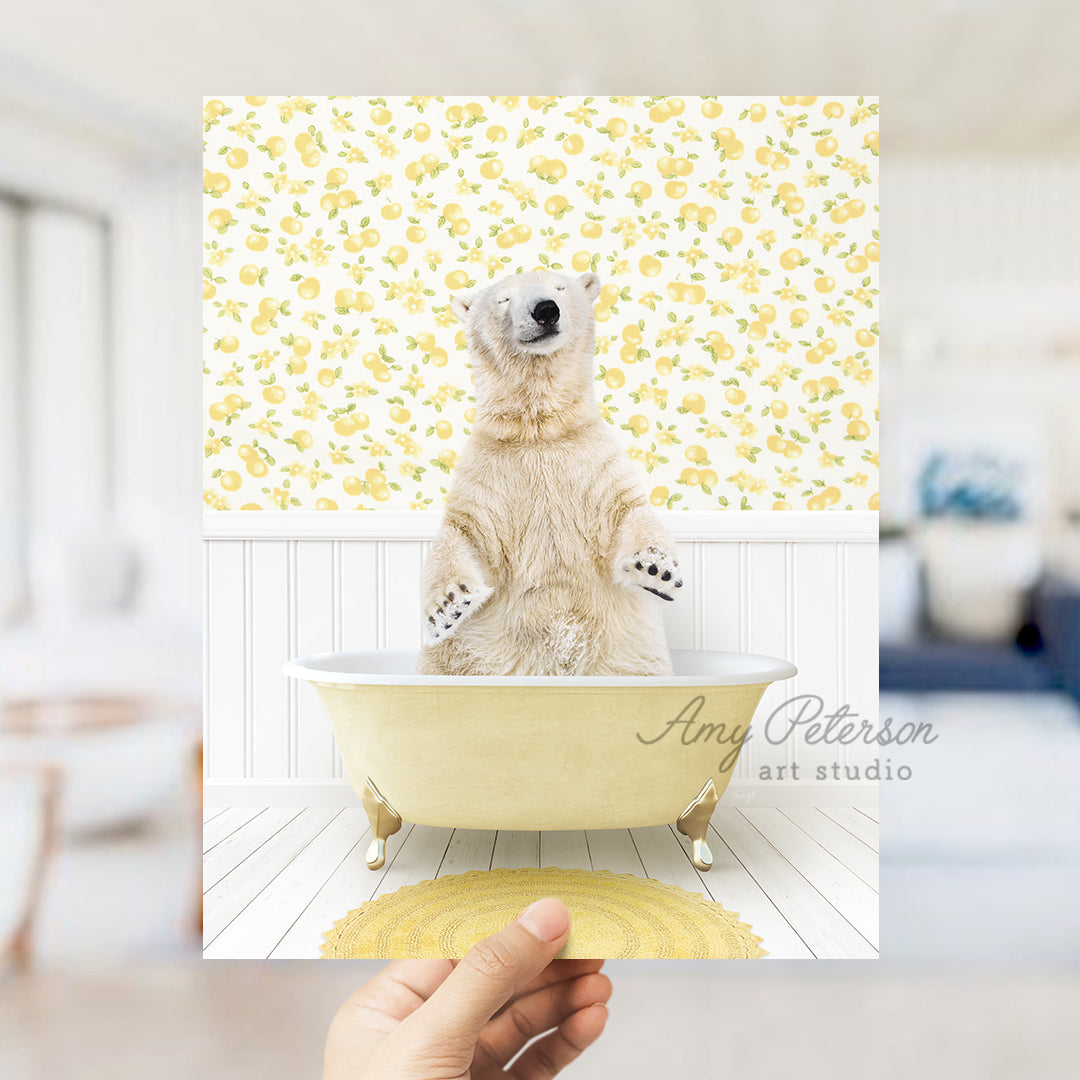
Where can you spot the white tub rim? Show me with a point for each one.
(394, 667)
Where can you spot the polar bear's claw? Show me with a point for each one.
(445, 612)
(649, 568)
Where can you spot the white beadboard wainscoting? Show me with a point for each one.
(799, 585)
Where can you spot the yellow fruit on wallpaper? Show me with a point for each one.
(735, 240)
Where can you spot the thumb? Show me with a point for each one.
(491, 973)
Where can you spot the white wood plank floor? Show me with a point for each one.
(806, 880)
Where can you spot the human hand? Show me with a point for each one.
(465, 1019)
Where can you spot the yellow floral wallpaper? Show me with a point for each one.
(736, 239)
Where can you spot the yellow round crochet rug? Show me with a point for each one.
(613, 916)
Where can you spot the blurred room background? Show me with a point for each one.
(100, 580)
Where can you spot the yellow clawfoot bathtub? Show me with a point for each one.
(539, 752)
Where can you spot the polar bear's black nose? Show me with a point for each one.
(546, 313)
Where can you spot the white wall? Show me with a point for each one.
(118, 427)
(798, 585)
(982, 286)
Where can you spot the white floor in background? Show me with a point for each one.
(275, 879)
(981, 859)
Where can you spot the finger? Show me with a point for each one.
(401, 987)
(550, 1055)
(557, 971)
(541, 1011)
(491, 973)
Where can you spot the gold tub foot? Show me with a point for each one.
(385, 821)
(694, 823)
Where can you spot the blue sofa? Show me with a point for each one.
(1045, 656)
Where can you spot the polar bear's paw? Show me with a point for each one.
(448, 610)
(654, 570)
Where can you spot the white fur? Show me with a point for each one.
(548, 546)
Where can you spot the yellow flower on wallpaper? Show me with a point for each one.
(736, 239)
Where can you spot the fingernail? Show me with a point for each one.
(547, 919)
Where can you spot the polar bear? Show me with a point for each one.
(549, 559)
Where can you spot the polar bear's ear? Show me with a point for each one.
(591, 284)
(462, 305)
